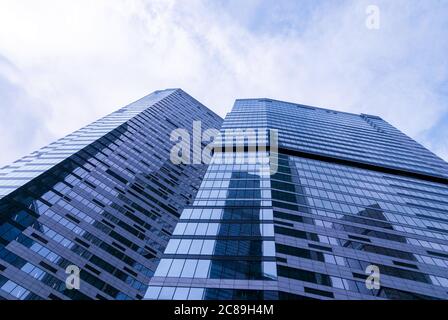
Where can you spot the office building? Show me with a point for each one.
(354, 209)
(104, 199)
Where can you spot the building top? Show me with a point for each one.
(341, 135)
(360, 138)
(29, 167)
(303, 106)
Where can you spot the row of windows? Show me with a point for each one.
(370, 233)
(216, 269)
(221, 247)
(214, 229)
(227, 214)
(173, 293)
(13, 288)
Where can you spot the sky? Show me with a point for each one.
(64, 64)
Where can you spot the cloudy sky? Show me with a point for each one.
(64, 64)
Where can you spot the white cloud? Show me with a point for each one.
(75, 61)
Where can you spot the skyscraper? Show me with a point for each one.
(298, 202)
(354, 209)
(104, 199)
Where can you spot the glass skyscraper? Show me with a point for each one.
(303, 204)
(354, 210)
(105, 199)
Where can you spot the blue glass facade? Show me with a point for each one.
(350, 191)
(105, 198)
(347, 192)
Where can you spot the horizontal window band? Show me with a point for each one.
(364, 165)
(219, 257)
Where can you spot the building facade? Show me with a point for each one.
(104, 201)
(354, 209)
(298, 202)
